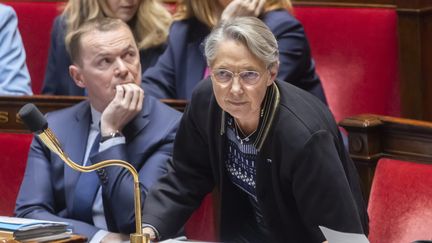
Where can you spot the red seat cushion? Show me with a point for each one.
(202, 225)
(400, 203)
(13, 161)
(356, 55)
(35, 21)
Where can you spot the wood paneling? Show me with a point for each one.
(427, 64)
(10, 105)
(415, 52)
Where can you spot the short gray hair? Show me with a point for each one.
(249, 31)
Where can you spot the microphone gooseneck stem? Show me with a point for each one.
(50, 140)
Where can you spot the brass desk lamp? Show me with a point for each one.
(36, 122)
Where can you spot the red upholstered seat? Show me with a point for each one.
(400, 203)
(13, 161)
(35, 20)
(202, 224)
(356, 55)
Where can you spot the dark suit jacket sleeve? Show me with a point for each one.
(296, 64)
(118, 187)
(52, 76)
(172, 200)
(57, 80)
(36, 198)
(159, 80)
(117, 182)
(319, 176)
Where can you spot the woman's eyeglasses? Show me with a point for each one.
(225, 76)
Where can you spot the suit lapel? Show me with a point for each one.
(75, 142)
(75, 146)
(136, 126)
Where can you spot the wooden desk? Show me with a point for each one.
(72, 239)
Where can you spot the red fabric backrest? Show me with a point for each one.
(35, 21)
(356, 55)
(400, 203)
(14, 151)
(202, 224)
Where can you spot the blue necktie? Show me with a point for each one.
(85, 190)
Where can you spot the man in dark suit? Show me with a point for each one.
(130, 127)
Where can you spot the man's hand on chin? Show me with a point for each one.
(127, 103)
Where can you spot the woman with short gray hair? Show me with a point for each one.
(251, 33)
(182, 66)
(272, 151)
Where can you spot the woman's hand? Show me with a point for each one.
(151, 233)
(243, 8)
(115, 238)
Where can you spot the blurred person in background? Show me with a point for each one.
(14, 75)
(183, 64)
(148, 19)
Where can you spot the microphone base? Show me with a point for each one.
(139, 238)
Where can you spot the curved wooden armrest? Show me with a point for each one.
(372, 137)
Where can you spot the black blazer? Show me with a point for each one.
(304, 179)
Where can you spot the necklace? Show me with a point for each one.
(245, 138)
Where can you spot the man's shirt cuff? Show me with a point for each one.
(111, 142)
(98, 236)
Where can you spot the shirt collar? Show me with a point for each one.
(96, 116)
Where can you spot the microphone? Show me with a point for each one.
(37, 124)
(33, 118)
